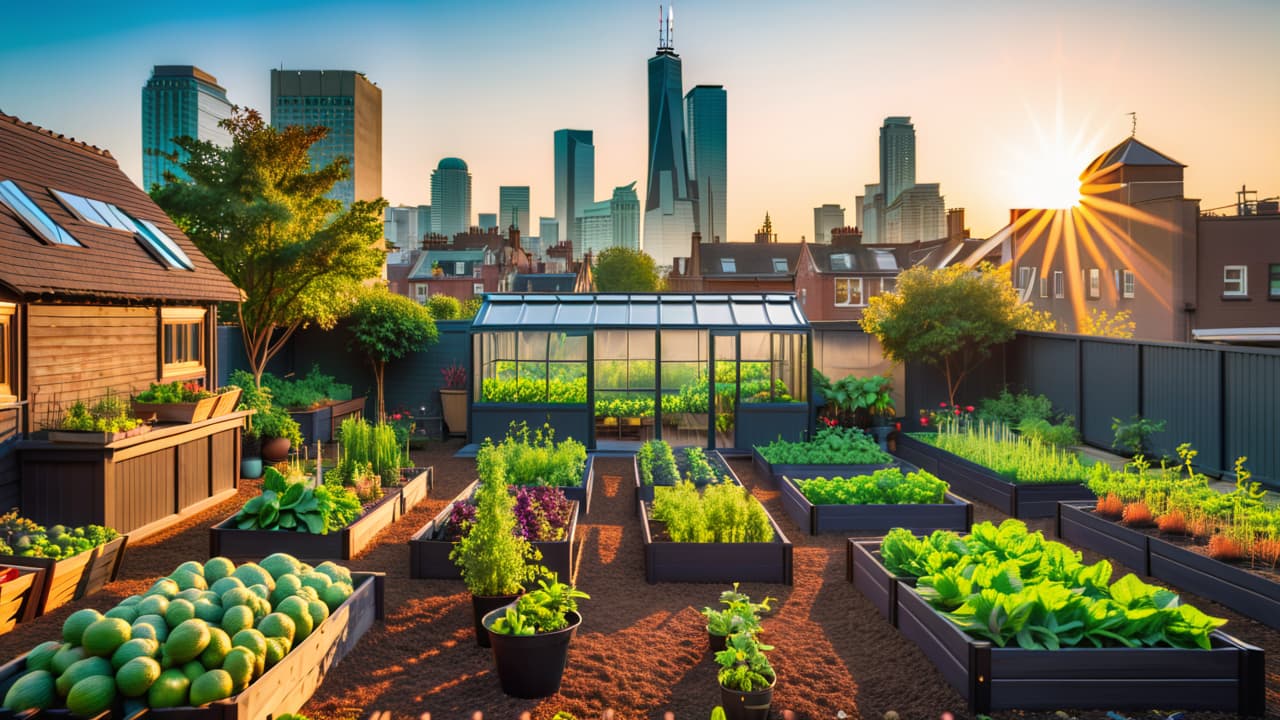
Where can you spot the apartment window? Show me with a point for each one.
(182, 342)
(6, 352)
(1044, 287)
(1095, 283)
(728, 265)
(1058, 289)
(459, 268)
(477, 289)
(421, 291)
(1127, 284)
(1235, 281)
(888, 285)
(849, 291)
(1025, 276)
(1275, 281)
(779, 265)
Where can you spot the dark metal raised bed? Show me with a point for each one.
(321, 423)
(230, 541)
(1230, 676)
(773, 471)
(287, 686)
(429, 555)
(976, 482)
(75, 577)
(868, 574)
(644, 493)
(1245, 592)
(953, 514)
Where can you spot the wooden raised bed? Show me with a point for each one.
(288, 686)
(976, 482)
(773, 471)
(1236, 587)
(666, 561)
(419, 482)
(74, 577)
(20, 597)
(229, 541)
(95, 437)
(429, 556)
(954, 514)
(189, 412)
(1230, 676)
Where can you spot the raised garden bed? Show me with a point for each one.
(644, 493)
(418, 482)
(666, 561)
(96, 437)
(976, 482)
(74, 577)
(429, 555)
(1230, 676)
(230, 541)
(20, 596)
(1235, 587)
(864, 569)
(954, 514)
(321, 423)
(288, 686)
(189, 412)
(774, 471)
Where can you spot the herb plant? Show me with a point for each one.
(493, 558)
(1133, 435)
(308, 391)
(542, 610)
(1019, 459)
(374, 446)
(721, 513)
(743, 664)
(657, 464)
(887, 486)
(109, 415)
(537, 459)
(831, 446)
(174, 392)
(738, 615)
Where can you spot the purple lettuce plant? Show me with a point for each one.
(542, 515)
(461, 516)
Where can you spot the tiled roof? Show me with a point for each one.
(753, 259)
(422, 269)
(859, 259)
(111, 264)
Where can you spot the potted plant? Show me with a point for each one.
(106, 421)
(453, 398)
(746, 678)
(530, 638)
(493, 558)
(271, 430)
(739, 615)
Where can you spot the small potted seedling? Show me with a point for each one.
(530, 637)
(738, 615)
(746, 678)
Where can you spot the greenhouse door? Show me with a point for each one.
(724, 369)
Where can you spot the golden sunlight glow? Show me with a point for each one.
(1045, 167)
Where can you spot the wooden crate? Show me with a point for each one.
(229, 541)
(74, 577)
(20, 597)
(178, 412)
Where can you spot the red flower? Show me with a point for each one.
(897, 426)
(957, 411)
(968, 408)
(942, 405)
(924, 421)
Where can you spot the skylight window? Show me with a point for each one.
(841, 261)
(107, 215)
(885, 260)
(33, 217)
(162, 246)
(728, 265)
(780, 265)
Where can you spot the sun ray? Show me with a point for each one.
(1044, 218)
(1112, 237)
(1130, 212)
(1074, 280)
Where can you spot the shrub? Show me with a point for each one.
(493, 558)
(1132, 434)
(1012, 409)
(1062, 435)
(444, 307)
(537, 459)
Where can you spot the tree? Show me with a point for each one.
(444, 307)
(1098, 322)
(948, 318)
(258, 211)
(385, 327)
(620, 269)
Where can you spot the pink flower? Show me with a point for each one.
(957, 411)
(942, 405)
(897, 426)
(924, 421)
(968, 408)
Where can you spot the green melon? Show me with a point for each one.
(218, 568)
(33, 690)
(253, 574)
(169, 690)
(66, 656)
(336, 572)
(209, 611)
(73, 627)
(191, 566)
(103, 637)
(92, 695)
(211, 686)
(277, 648)
(279, 564)
(237, 596)
(127, 613)
(216, 651)
(309, 593)
(286, 585)
(188, 580)
(40, 656)
(80, 670)
(137, 676)
(239, 664)
(187, 641)
(135, 648)
(191, 595)
(153, 605)
(297, 610)
(260, 590)
(319, 612)
(335, 595)
(143, 630)
(193, 669)
(237, 618)
(130, 601)
(261, 608)
(317, 581)
(252, 639)
(222, 585)
(278, 625)
(165, 587)
(179, 612)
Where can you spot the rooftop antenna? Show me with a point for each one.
(660, 45)
(1133, 129)
(671, 26)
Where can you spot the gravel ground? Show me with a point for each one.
(641, 649)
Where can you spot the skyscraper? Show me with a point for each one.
(575, 178)
(351, 107)
(671, 193)
(179, 100)
(450, 197)
(488, 220)
(548, 234)
(609, 223)
(424, 220)
(897, 157)
(825, 219)
(513, 208)
(705, 108)
(400, 227)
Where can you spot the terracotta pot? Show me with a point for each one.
(275, 450)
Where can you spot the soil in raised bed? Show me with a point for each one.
(641, 650)
(1201, 547)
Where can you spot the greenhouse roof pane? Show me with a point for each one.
(642, 310)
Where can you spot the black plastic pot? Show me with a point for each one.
(531, 666)
(752, 705)
(717, 642)
(481, 605)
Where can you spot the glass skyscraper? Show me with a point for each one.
(706, 111)
(897, 157)
(670, 193)
(351, 107)
(609, 223)
(450, 198)
(513, 208)
(179, 100)
(575, 158)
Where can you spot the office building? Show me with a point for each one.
(424, 221)
(575, 166)
(179, 100)
(351, 107)
(706, 129)
(400, 227)
(450, 197)
(897, 157)
(917, 215)
(609, 223)
(670, 192)
(825, 219)
(513, 208)
(488, 220)
(548, 235)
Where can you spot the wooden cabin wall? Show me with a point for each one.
(10, 488)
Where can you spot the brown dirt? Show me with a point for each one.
(641, 649)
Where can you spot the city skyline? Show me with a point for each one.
(987, 121)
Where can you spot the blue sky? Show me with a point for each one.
(808, 84)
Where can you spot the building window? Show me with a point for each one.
(849, 291)
(33, 216)
(1128, 283)
(1275, 281)
(841, 261)
(888, 284)
(779, 265)
(1044, 287)
(6, 352)
(181, 342)
(1235, 281)
(1058, 290)
(1025, 275)
(728, 265)
(1095, 283)
(459, 268)
(421, 290)
(477, 288)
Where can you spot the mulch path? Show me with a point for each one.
(641, 649)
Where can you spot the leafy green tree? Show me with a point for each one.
(258, 211)
(949, 318)
(386, 327)
(444, 307)
(620, 269)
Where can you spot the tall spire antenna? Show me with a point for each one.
(671, 26)
(660, 19)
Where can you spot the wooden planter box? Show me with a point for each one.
(227, 402)
(954, 514)
(417, 483)
(644, 493)
(429, 556)
(976, 482)
(229, 541)
(288, 686)
(343, 409)
(773, 471)
(178, 412)
(93, 437)
(666, 561)
(74, 577)
(20, 596)
(1236, 587)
